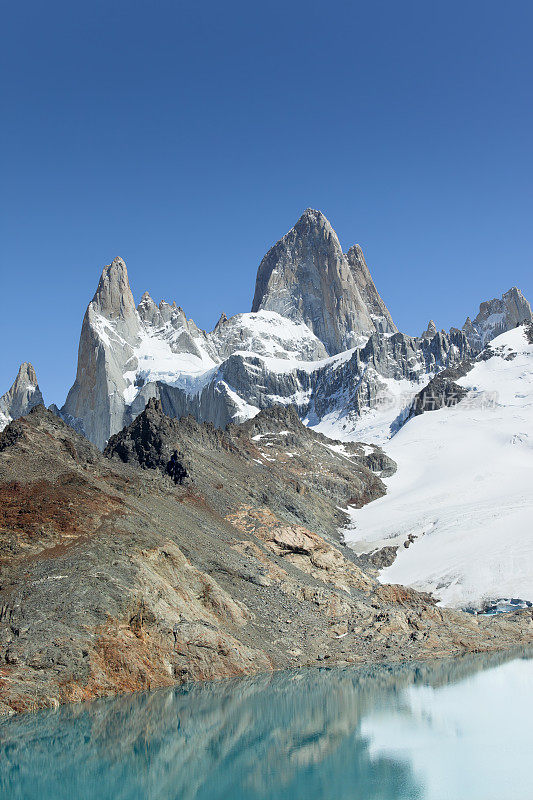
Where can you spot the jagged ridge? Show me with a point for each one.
(311, 302)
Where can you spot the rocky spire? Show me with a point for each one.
(371, 297)
(430, 331)
(110, 331)
(307, 277)
(148, 310)
(221, 321)
(113, 298)
(23, 395)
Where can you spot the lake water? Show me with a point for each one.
(444, 731)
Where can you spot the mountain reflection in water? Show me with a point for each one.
(430, 731)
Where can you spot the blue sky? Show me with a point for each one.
(187, 137)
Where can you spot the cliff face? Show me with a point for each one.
(114, 578)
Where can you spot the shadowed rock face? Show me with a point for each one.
(307, 277)
(441, 392)
(21, 397)
(115, 579)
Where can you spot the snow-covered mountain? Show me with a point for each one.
(23, 395)
(319, 337)
(460, 505)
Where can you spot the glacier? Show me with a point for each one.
(461, 497)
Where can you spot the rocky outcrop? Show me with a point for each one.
(360, 383)
(441, 392)
(497, 316)
(266, 334)
(23, 395)
(307, 277)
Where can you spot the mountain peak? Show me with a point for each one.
(497, 316)
(355, 252)
(431, 330)
(113, 298)
(147, 308)
(110, 330)
(306, 277)
(26, 375)
(314, 215)
(317, 222)
(23, 395)
(221, 321)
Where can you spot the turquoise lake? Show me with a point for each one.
(445, 731)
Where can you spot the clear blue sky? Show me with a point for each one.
(188, 136)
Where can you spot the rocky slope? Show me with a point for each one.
(114, 578)
(23, 395)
